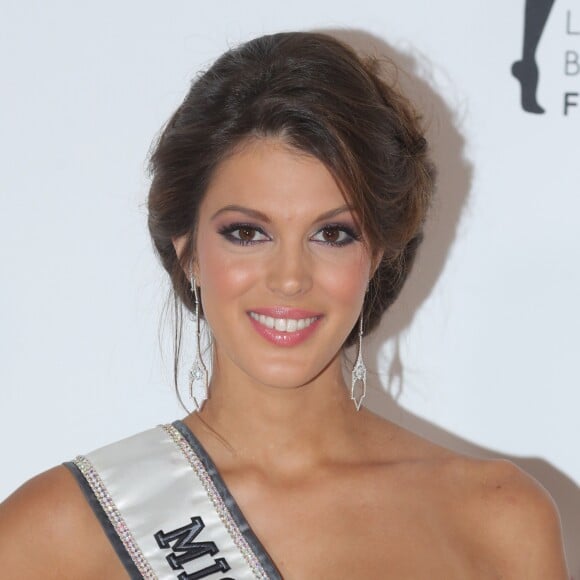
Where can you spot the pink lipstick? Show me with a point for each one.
(284, 326)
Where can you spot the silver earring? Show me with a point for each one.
(198, 374)
(359, 372)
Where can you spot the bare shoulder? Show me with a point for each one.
(48, 530)
(509, 519)
(503, 518)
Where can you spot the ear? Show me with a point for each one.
(180, 245)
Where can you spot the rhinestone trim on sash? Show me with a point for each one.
(115, 517)
(217, 501)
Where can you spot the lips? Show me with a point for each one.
(284, 326)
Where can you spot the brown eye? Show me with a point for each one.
(331, 235)
(246, 234)
(336, 235)
(243, 234)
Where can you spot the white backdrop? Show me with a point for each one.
(479, 354)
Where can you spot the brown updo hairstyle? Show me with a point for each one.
(318, 96)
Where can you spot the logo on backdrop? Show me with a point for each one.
(526, 70)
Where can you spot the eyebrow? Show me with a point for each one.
(263, 217)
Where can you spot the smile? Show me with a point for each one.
(275, 327)
(283, 324)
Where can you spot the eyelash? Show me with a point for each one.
(227, 232)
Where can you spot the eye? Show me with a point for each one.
(243, 234)
(336, 235)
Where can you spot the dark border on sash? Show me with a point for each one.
(235, 511)
(106, 524)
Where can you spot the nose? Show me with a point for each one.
(289, 271)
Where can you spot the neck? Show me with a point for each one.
(281, 428)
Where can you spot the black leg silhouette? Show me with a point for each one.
(526, 70)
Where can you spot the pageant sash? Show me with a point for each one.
(167, 511)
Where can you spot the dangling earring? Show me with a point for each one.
(198, 372)
(359, 371)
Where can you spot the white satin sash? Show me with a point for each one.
(168, 512)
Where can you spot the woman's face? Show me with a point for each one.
(280, 263)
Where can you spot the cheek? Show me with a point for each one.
(345, 282)
(342, 278)
(224, 275)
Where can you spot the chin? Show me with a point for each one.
(289, 374)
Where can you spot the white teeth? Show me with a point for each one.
(283, 324)
(265, 320)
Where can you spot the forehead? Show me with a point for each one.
(269, 175)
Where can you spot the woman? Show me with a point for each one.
(288, 198)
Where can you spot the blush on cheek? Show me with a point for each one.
(226, 276)
(346, 283)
